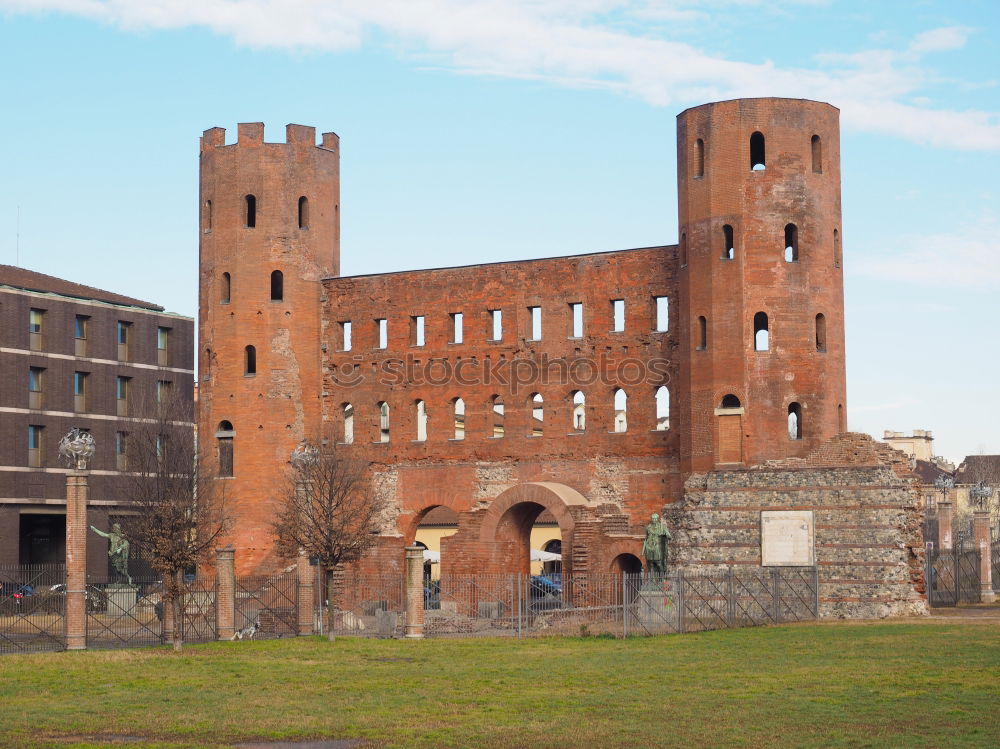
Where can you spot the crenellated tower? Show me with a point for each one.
(760, 281)
(269, 231)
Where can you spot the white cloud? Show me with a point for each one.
(580, 43)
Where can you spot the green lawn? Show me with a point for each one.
(913, 684)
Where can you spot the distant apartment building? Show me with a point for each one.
(75, 356)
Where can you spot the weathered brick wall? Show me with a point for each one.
(867, 513)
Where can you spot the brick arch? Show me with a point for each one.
(632, 546)
(556, 498)
(410, 532)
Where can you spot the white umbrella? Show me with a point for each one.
(537, 555)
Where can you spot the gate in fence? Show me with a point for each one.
(953, 577)
(32, 608)
(267, 606)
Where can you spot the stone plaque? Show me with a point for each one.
(787, 538)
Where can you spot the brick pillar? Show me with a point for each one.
(306, 593)
(225, 597)
(76, 560)
(414, 592)
(981, 522)
(944, 526)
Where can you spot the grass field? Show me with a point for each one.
(919, 684)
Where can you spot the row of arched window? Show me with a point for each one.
(277, 287)
(730, 401)
(496, 410)
(758, 154)
(790, 251)
(762, 333)
(250, 212)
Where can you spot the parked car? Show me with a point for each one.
(544, 585)
(13, 597)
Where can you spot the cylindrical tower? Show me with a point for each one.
(269, 231)
(761, 281)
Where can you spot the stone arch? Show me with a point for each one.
(410, 531)
(556, 498)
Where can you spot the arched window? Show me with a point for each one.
(459, 409)
(621, 410)
(498, 415)
(208, 215)
(662, 396)
(684, 249)
(760, 332)
(791, 243)
(347, 411)
(277, 286)
(251, 206)
(841, 426)
(579, 411)
(702, 333)
(537, 405)
(794, 421)
(821, 332)
(729, 401)
(757, 160)
(225, 288)
(383, 421)
(699, 158)
(303, 212)
(421, 408)
(224, 440)
(837, 258)
(817, 154)
(728, 246)
(249, 360)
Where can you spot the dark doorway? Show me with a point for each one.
(42, 539)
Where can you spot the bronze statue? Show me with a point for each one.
(654, 548)
(118, 548)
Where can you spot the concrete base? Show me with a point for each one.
(121, 598)
(988, 596)
(655, 610)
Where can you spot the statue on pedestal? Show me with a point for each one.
(654, 548)
(118, 548)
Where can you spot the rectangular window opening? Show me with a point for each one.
(417, 325)
(576, 318)
(496, 316)
(383, 332)
(34, 445)
(536, 323)
(662, 313)
(456, 327)
(617, 315)
(345, 335)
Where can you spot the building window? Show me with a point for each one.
(225, 288)
(760, 332)
(535, 314)
(251, 210)
(303, 212)
(80, 329)
(164, 388)
(249, 360)
(35, 387)
(417, 330)
(208, 216)
(702, 333)
(459, 409)
(699, 158)
(662, 311)
(36, 328)
(794, 421)
(224, 440)
(124, 338)
(729, 401)
(496, 321)
(421, 408)
(821, 332)
(817, 154)
(621, 410)
(80, 392)
(537, 405)
(347, 411)
(121, 394)
(498, 416)
(579, 411)
(383, 421)
(162, 347)
(34, 445)
(684, 249)
(121, 448)
(728, 246)
(382, 324)
(456, 327)
(617, 315)
(757, 160)
(345, 335)
(837, 258)
(662, 397)
(277, 286)
(576, 319)
(791, 243)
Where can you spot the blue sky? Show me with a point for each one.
(477, 131)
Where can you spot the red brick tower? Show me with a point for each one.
(761, 283)
(270, 230)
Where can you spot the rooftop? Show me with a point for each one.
(29, 280)
(976, 468)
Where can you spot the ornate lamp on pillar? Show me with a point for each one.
(980, 495)
(77, 448)
(944, 484)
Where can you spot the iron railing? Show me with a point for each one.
(266, 606)
(32, 608)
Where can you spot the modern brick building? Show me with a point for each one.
(588, 387)
(75, 356)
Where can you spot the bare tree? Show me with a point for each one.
(178, 508)
(333, 510)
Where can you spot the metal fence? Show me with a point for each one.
(365, 606)
(952, 577)
(266, 606)
(32, 608)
